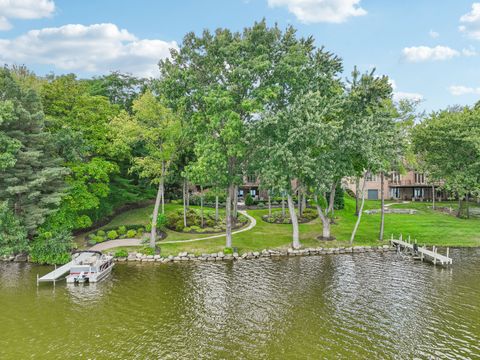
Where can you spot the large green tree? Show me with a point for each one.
(34, 185)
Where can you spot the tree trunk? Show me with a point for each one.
(459, 212)
(326, 234)
(153, 233)
(269, 206)
(467, 200)
(293, 217)
(201, 207)
(304, 201)
(382, 210)
(359, 212)
(433, 197)
(331, 200)
(216, 209)
(235, 202)
(357, 185)
(299, 202)
(283, 205)
(162, 187)
(184, 203)
(228, 214)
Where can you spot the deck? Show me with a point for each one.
(423, 253)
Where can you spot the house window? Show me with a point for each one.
(418, 193)
(419, 178)
(395, 177)
(395, 193)
(251, 178)
(240, 192)
(371, 177)
(253, 192)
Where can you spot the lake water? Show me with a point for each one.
(361, 306)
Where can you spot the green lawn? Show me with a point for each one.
(427, 226)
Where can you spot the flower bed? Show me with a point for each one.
(278, 218)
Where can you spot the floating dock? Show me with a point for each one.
(422, 253)
(56, 274)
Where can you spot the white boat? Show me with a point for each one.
(90, 269)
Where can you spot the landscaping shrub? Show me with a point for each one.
(187, 229)
(122, 230)
(112, 235)
(131, 233)
(122, 253)
(161, 221)
(52, 248)
(99, 239)
(249, 200)
(228, 251)
(277, 217)
(101, 233)
(147, 250)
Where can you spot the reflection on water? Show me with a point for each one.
(341, 306)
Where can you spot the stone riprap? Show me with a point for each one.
(266, 253)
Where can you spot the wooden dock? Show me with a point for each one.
(56, 274)
(422, 253)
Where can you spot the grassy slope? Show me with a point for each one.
(429, 227)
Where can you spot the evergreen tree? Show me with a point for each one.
(34, 185)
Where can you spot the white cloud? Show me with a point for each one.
(425, 53)
(24, 9)
(400, 95)
(459, 90)
(433, 34)
(470, 51)
(471, 22)
(314, 11)
(95, 48)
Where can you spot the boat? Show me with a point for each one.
(92, 268)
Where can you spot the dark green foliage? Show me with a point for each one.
(146, 250)
(122, 253)
(228, 251)
(249, 201)
(13, 236)
(52, 248)
(34, 185)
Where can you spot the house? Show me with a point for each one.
(412, 185)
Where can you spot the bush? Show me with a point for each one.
(148, 227)
(131, 233)
(52, 248)
(112, 235)
(161, 221)
(187, 229)
(13, 236)
(195, 228)
(228, 251)
(122, 253)
(249, 200)
(261, 205)
(122, 230)
(147, 250)
(99, 239)
(101, 233)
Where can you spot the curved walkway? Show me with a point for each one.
(137, 242)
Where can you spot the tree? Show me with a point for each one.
(448, 144)
(34, 185)
(157, 128)
(13, 236)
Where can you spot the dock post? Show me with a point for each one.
(421, 253)
(37, 279)
(434, 255)
(400, 238)
(448, 252)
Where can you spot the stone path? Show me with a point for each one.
(137, 242)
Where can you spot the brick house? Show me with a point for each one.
(410, 186)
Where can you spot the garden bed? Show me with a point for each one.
(175, 222)
(278, 218)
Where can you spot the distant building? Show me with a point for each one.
(410, 186)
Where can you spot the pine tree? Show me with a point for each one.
(34, 185)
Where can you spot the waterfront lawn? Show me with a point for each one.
(429, 227)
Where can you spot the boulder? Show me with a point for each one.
(20, 258)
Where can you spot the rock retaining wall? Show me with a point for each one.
(220, 256)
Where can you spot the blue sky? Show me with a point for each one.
(429, 48)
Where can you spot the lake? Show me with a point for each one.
(355, 306)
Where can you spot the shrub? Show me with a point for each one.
(52, 248)
(195, 228)
(121, 253)
(112, 235)
(228, 251)
(187, 229)
(274, 202)
(161, 221)
(209, 229)
(122, 230)
(249, 200)
(147, 250)
(131, 233)
(261, 205)
(101, 233)
(99, 239)
(148, 227)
